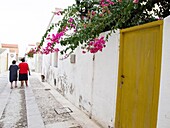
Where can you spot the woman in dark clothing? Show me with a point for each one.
(13, 73)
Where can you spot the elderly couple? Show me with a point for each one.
(23, 73)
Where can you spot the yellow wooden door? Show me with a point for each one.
(139, 76)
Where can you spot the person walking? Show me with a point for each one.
(13, 73)
(23, 72)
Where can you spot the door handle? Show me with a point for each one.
(122, 76)
(121, 82)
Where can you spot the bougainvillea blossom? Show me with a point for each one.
(135, 1)
(95, 45)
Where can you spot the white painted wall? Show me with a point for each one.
(164, 99)
(91, 82)
(31, 62)
(46, 62)
(4, 61)
(38, 62)
(90, 85)
(105, 82)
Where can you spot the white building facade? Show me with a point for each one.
(90, 81)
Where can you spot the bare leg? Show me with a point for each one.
(26, 82)
(11, 85)
(15, 84)
(22, 83)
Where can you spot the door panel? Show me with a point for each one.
(139, 77)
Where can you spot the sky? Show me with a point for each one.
(24, 22)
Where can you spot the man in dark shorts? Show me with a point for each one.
(23, 72)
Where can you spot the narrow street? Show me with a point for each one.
(38, 106)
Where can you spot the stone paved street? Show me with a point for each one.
(38, 106)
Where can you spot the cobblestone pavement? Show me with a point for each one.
(49, 106)
(13, 114)
(38, 106)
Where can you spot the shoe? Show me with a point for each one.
(15, 86)
(11, 87)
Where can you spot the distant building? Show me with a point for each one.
(3, 60)
(13, 51)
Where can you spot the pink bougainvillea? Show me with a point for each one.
(135, 1)
(105, 3)
(55, 38)
(95, 45)
(58, 13)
